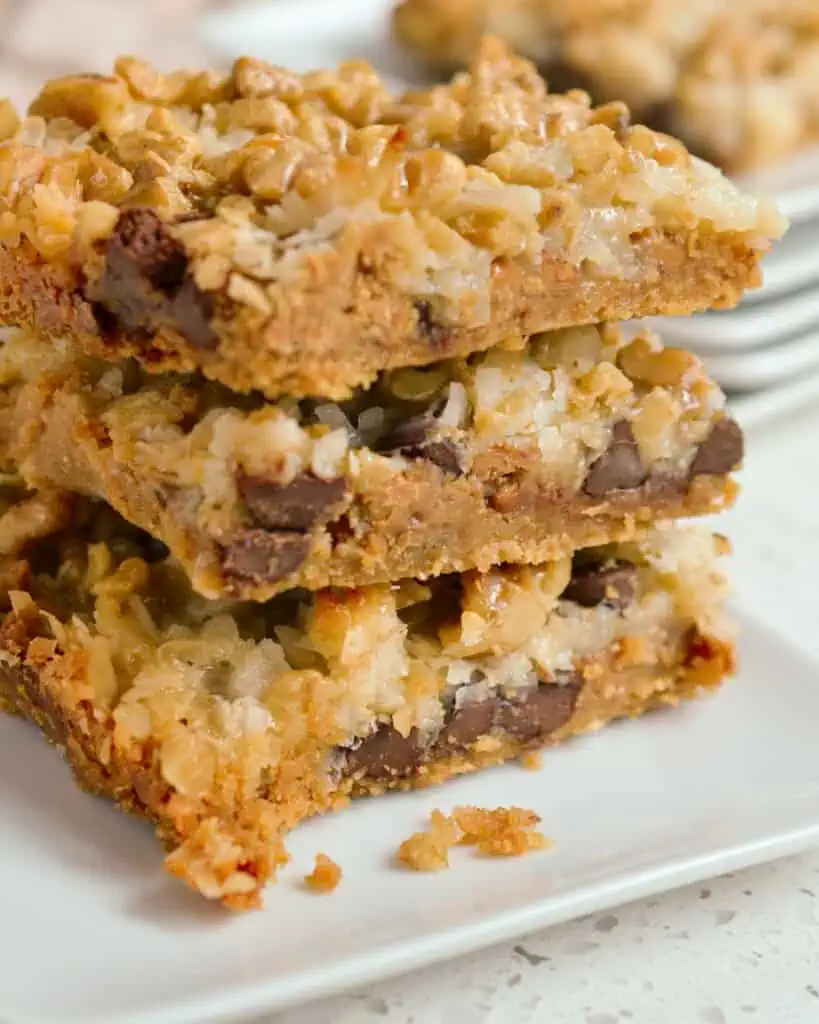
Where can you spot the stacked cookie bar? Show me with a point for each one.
(736, 79)
(325, 468)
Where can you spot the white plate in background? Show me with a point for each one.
(308, 34)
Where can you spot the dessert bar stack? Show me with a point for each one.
(326, 469)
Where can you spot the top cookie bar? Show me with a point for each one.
(736, 79)
(300, 234)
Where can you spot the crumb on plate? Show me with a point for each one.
(325, 876)
(532, 760)
(496, 832)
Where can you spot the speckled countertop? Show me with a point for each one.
(742, 948)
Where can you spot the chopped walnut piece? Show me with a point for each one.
(325, 876)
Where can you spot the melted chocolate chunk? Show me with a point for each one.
(613, 582)
(539, 713)
(529, 719)
(467, 724)
(618, 469)
(446, 455)
(412, 440)
(411, 433)
(299, 505)
(385, 754)
(262, 557)
(721, 451)
(154, 550)
(145, 284)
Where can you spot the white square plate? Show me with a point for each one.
(94, 932)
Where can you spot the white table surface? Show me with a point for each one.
(741, 948)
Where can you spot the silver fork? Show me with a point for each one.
(773, 336)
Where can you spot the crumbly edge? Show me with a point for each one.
(400, 517)
(229, 849)
(230, 222)
(732, 79)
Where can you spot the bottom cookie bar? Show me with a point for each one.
(226, 724)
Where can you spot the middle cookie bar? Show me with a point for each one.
(508, 456)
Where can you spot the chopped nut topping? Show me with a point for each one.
(298, 234)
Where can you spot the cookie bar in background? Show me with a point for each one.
(227, 724)
(581, 437)
(299, 235)
(735, 79)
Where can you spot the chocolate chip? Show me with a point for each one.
(411, 439)
(467, 724)
(154, 550)
(721, 451)
(410, 433)
(620, 468)
(299, 505)
(529, 719)
(428, 328)
(385, 754)
(612, 582)
(539, 713)
(263, 557)
(446, 455)
(146, 285)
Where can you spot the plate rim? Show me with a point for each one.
(405, 957)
